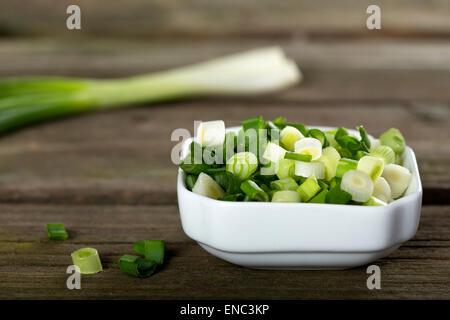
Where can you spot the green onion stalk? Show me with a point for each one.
(29, 100)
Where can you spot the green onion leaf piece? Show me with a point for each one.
(345, 165)
(360, 154)
(280, 122)
(300, 127)
(298, 156)
(232, 197)
(88, 260)
(151, 249)
(253, 191)
(56, 231)
(228, 181)
(137, 266)
(319, 135)
(365, 141)
(190, 181)
(338, 196)
(253, 123)
(320, 197)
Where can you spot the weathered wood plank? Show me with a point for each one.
(201, 18)
(124, 156)
(33, 267)
(347, 70)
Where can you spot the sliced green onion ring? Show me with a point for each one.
(88, 260)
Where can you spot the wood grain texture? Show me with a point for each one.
(33, 267)
(232, 18)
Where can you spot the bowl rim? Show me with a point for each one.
(181, 184)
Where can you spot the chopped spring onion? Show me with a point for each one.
(345, 165)
(190, 181)
(285, 168)
(338, 196)
(211, 133)
(256, 123)
(373, 201)
(360, 154)
(208, 187)
(309, 146)
(331, 140)
(286, 196)
(358, 184)
(393, 138)
(56, 231)
(137, 266)
(398, 178)
(330, 158)
(326, 167)
(320, 197)
(228, 181)
(27, 100)
(289, 136)
(242, 164)
(253, 191)
(373, 166)
(269, 169)
(297, 156)
(306, 169)
(384, 152)
(308, 189)
(151, 249)
(232, 197)
(319, 135)
(284, 184)
(382, 190)
(274, 152)
(88, 260)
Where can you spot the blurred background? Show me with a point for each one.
(398, 76)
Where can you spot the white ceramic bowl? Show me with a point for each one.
(300, 235)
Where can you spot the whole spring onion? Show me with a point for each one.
(28, 100)
(88, 260)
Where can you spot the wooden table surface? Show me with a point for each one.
(108, 176)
